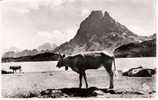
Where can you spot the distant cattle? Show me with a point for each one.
(15, 68)
(82, 62)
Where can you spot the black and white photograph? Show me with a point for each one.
(78, 49)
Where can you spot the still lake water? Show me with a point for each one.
(43, 66)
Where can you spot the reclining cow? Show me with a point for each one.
(82, 62)
(15, 68)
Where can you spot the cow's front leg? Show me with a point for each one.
(20, 70)
(111, 80)
(80, 78)
(85, 78)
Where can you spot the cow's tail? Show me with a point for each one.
(115, 71)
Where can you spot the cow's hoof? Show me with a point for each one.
(111, 87)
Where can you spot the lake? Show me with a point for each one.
(43, 66)
(40, 76)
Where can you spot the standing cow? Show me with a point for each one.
(15, 68)
(82, 62)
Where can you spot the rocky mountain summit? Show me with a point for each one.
(99, 32)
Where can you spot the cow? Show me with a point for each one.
(82, 62)
(15, 68)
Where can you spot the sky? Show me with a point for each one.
(26, 24)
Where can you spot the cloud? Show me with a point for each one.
(21, 10)
(34, 3)
(20, 6)
(85, 12)
(71, 32)
(24, 6)
(52, 37)
(57, 2)
(71, 1)
(57, 36)
(45, 34)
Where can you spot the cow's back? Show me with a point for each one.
(88, 60)
(95, 60)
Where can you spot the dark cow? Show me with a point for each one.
(82, 62)
(15, 68)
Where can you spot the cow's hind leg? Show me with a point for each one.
(80, 78)
(108, 67)
(85, 78)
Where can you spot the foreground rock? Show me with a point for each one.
(90, 92)
(6, 72)
(76, 92)
(139, 72)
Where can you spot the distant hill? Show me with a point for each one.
(46, 47)
(14, 54)
(15, 49)
(38, 57)
(143, 49)
(99, 32)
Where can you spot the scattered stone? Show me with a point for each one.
(139, 72)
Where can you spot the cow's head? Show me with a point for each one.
(61, 62)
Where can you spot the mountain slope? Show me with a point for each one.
(99, 32)
(144, 49)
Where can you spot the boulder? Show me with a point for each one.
(5, 72)
(139, 72)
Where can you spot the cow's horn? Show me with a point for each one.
(66, 68)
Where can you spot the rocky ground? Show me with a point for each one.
(62, 84)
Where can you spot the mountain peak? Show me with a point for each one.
(106, 14)
(96, 13)
(98, 32)
(99, 14)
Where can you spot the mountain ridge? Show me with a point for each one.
(45, 47)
